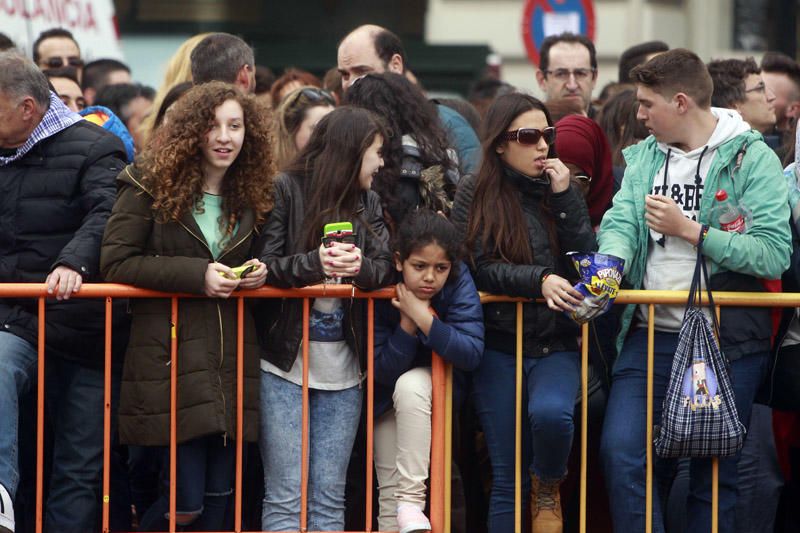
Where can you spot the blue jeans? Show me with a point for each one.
(550, 386)
(205, 484)
(75, 396)
(334, 417)
(622, 446)
(18, 361)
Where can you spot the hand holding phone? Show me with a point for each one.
(339, 255)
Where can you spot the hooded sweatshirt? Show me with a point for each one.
(671, 260)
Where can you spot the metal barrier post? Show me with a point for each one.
(715, 476)
(584, 421)
(237, 520)
(437, 443)
(370, 407)
(648, 506)
(40, 421)
(304, 433)
(518, 425)
(173, 416)
(107, 421)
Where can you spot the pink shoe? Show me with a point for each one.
(411, 519)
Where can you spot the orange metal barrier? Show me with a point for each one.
(441, 378)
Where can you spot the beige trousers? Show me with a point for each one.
(403, 446)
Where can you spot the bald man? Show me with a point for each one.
(372, 48)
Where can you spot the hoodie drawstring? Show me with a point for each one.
(697, 181)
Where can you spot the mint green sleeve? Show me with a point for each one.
(764, 250)
(619, 230)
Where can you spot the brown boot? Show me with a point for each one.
(546, 506)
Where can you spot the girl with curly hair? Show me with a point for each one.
(328, 182)
(186, 214)
(421, 169)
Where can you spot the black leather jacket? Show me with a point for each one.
(544, 331)
(289, 264)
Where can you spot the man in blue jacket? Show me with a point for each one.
(660, 215)
(371, 48)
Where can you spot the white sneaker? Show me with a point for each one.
(6, 511)
(411, 519)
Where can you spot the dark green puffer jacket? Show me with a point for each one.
(173, 257)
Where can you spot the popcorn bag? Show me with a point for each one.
(601, 276)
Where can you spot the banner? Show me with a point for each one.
(92, 22)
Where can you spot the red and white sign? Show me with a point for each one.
(92, 22)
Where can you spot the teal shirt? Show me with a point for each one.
(209, 222)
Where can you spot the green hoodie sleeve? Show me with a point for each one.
(764, 250)
(619, 231)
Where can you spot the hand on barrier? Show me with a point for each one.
(64, 282)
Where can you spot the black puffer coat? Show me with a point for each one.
(545, 331)
(54, 203)
(289, 264)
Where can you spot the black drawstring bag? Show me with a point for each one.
(699, 417)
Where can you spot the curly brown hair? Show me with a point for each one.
(172, 163)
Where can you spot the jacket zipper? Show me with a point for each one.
(219, 375)
(219, 311)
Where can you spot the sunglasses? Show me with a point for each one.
(530, 136)
(315, 94)
(58, 62)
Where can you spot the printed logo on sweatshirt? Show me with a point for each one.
(687, 196)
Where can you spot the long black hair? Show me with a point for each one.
(496, 217)
(329, 167)
(406, 112)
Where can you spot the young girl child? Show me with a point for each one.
(524, 215)
(328, 182)
(295, 119)
(427, 256)
(185, 214)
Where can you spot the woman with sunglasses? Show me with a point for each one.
(295, 119)
(525, 213)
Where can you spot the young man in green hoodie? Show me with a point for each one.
(659, 216)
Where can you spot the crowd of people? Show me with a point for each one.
(227, 178)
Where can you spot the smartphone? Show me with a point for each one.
(240, 271)
(338, 232)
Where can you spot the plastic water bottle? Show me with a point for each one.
(731, 217)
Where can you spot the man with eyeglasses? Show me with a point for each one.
(568, 69)
(738, 85)
(56, 48)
